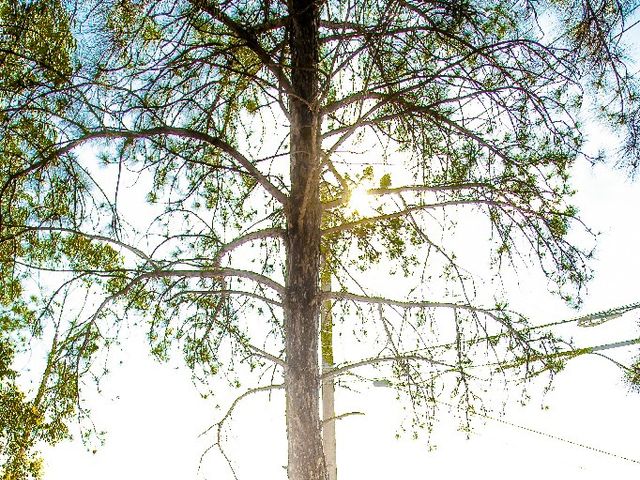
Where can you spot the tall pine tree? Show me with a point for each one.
(233, 139)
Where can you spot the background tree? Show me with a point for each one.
(231, 138)
(36, 48)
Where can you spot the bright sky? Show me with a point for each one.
(153, 413)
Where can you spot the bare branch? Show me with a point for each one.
(258, 235)
(220, 424)
(405, 304)
(341, 416)
(414, 208)
(215, 273)
(227, 292)
(178, 132)
(375, 360)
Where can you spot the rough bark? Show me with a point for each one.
(302, 299)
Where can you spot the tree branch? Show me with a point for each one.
(248, 36)
(239, 241)
(334, 372)
(178, 132)
(343, 200)
(90, 236)
(227, 292)
(414, 208)
(405, 304)
(341, 416)
(220, 424)
(215, 273)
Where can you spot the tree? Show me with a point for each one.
(244, 123)
(36, 65)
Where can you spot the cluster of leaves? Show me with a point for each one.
(34, 417)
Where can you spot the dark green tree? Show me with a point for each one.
(188, 162)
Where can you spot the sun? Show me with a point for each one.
(360, 201)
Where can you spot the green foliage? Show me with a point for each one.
(36, 42)
(385, 181)
(633, 375)
(24, 422)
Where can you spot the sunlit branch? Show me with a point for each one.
(227, 292)
(238, 242)
(353, 98)
(405, 304)
(266, 355)
(243, 341)
(429, 188)
(415, 208)
(44, 380)
(237, 400)
(439, 248)
(219, 273)
(375, 92)
(376, 360)
(341, 416)
(344, 197)
(379, 192)
(214, 273)
(347, 130)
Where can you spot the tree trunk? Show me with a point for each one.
(328, 387)
(302, 300)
